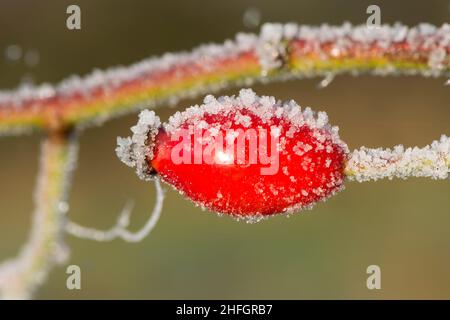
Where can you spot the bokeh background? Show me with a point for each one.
(402, 226)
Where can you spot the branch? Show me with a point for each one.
(19, 277)
(120, 229)
(278, 52)
(432, 161)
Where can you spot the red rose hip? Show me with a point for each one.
(246, 156)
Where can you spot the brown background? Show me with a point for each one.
(402, 226)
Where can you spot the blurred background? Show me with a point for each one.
(402, 226)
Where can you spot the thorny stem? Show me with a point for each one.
(20, 276)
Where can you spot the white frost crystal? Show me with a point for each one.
(270, 48)
(432, 161)
(136, 150)
(264, 107)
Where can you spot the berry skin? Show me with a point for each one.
(249, 157)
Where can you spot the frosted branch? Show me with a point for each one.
(278, 52)
(120, 229)
(432, 161)
(19, 277)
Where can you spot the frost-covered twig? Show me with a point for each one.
(432, 161)
(278, 52)
(120, 229)
(19, 277)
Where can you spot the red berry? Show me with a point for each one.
(247, 156)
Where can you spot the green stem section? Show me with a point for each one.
(19, 277)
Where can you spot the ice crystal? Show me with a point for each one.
(264, 107)
(251, 17)
(135, 150)
(32, 58)
(13, 52)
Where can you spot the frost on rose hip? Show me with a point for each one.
(246, 156)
